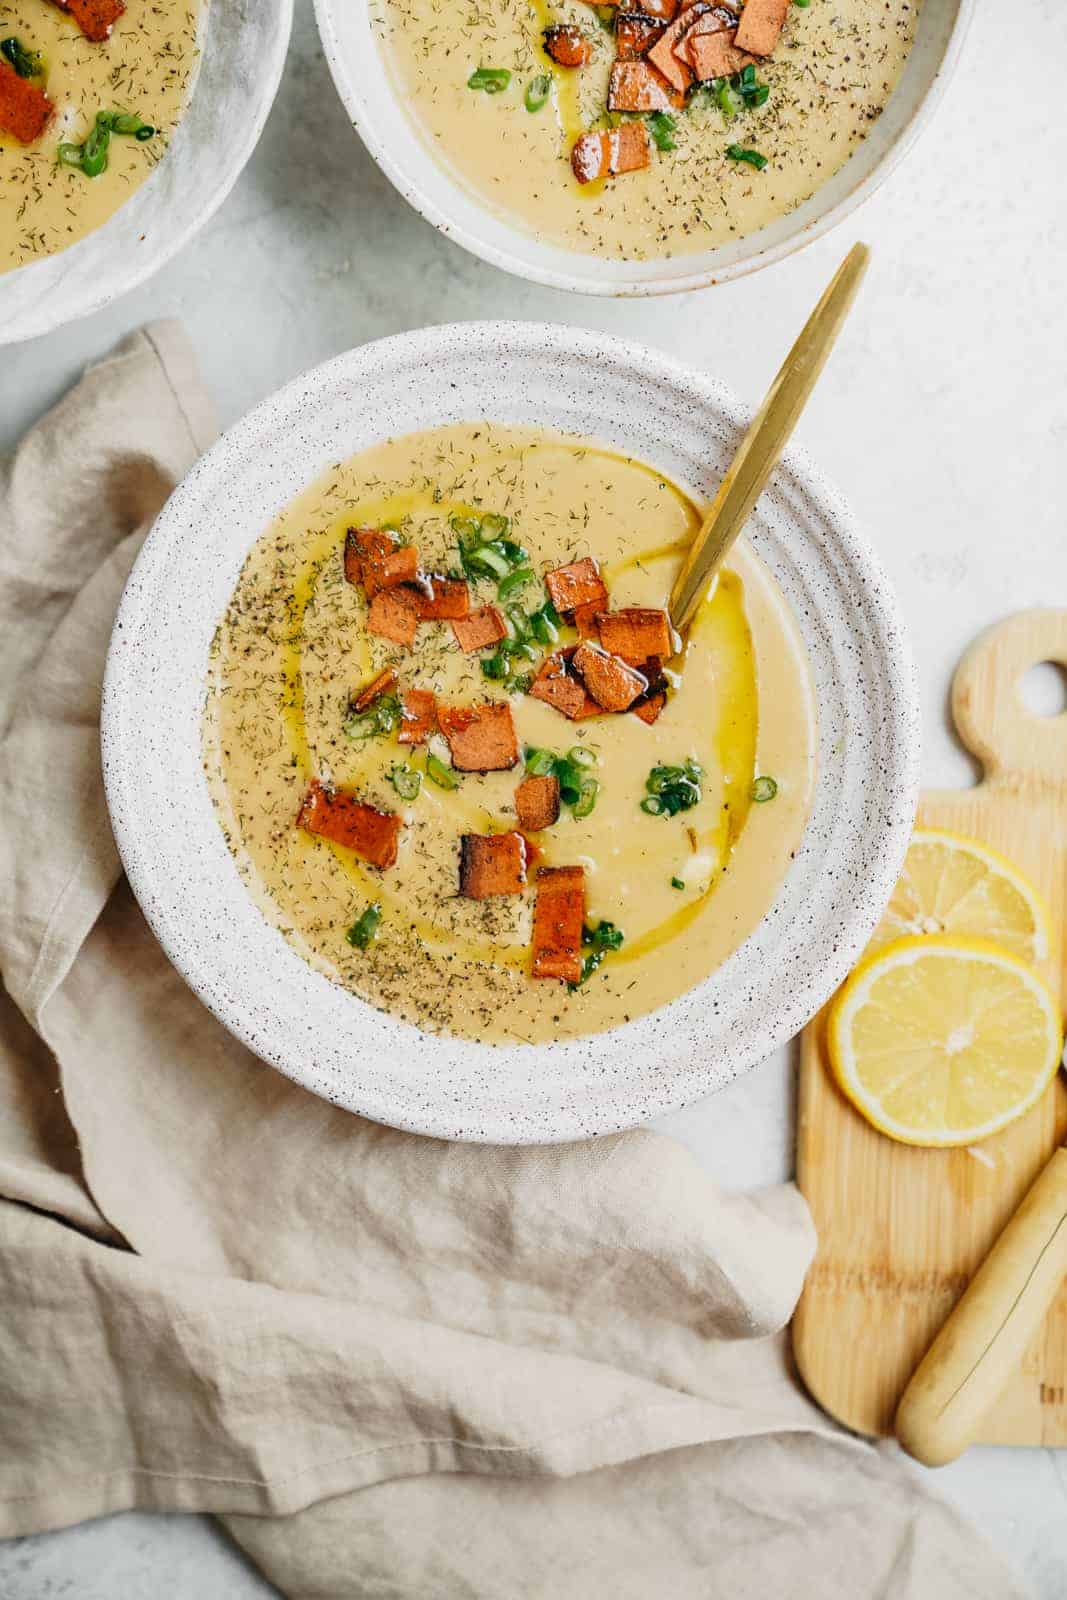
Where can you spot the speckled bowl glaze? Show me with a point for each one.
(407, 158)
(244, 52)
(319, 1034)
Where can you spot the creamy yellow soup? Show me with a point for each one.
(830, 77)
(146, 68)
(293, 648)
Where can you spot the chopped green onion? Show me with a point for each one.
(537, 91)
(495, 667)
(382, 716)
(497, 526)
(748, 86)
(661, 127)
(581, 756)
(545, 623)
(91, 157)
(598, 941)
(672, 789)
(520, 622)
(491, 80)
(677, 883)
(605, 15)
(437, 772)
(728, 100)
(752, 157)
(521, 683)
(802, 3)
(586, 798)
(468, 530)
(27, 63)
(539, 762)
(513, 582)
(764, 789)
(406, 781)
(364, 930)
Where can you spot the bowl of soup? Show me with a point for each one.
(421, 791)
(633, 148)
(123, 126)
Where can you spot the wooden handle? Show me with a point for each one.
(992, 719)
(986, 1336)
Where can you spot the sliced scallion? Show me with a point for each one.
(364, 930)
(490, 80)
(764, 789)
(537, 92)
(27, 63)
(437, 772)
(752, 157)
(406, 781)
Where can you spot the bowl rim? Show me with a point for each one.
(582, 282)
(138, 269)
(122, 721)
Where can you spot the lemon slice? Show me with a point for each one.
(942, 1040)
(950, 884)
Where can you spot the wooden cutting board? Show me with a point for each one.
(902, 1230)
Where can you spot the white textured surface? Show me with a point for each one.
(943, 417)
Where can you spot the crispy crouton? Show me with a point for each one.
(418, 716)
(635, 33)
(605, 154)
(714, 55)
(579, 583)
(662, 55)
(479, 629)
(447, 599)
(377, 686)
(558, 686)
(394, 614)
(635, 633)
(362, 544)
(649, 706)
(491, 864)
(335, 815)
(559, 917)
(613, 684)
(567, 45)
(537, 802)
(25, 110)
(95, 18)
(637, 86)
(480, 738)
(761, 23)
(584, 619)
(390, 571)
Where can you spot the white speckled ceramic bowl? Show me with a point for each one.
(407, 158)
(243, 55)
(318, 1033)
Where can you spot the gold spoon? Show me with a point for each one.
(768, 434)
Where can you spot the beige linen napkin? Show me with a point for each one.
(399, 1367)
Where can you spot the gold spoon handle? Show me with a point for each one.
(761, 449)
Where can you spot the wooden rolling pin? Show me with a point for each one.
(988, 1331)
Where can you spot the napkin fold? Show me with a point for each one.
(397, 1367)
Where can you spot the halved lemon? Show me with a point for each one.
(943, 1040)
(951, 884)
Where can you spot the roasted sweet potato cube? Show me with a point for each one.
(480, 738)
(637, 86)
(612, 684)
(335, 815)
(390, 571)
(761, 23)
(649, 706)
(95, 18)
(635, 32)
(491, 864)
(364, 544)
(635, 633)
(394, 614)
(664, 11)
(559, 917)
(445, 599)
(377, 686)
(714, 55)
(584, 619)
(567, 45)
(479, 629)
(611, 151)
(537, 802)
(579, 583)
(418, 716)
(25, 110)
(662, 55)
(557, 686)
